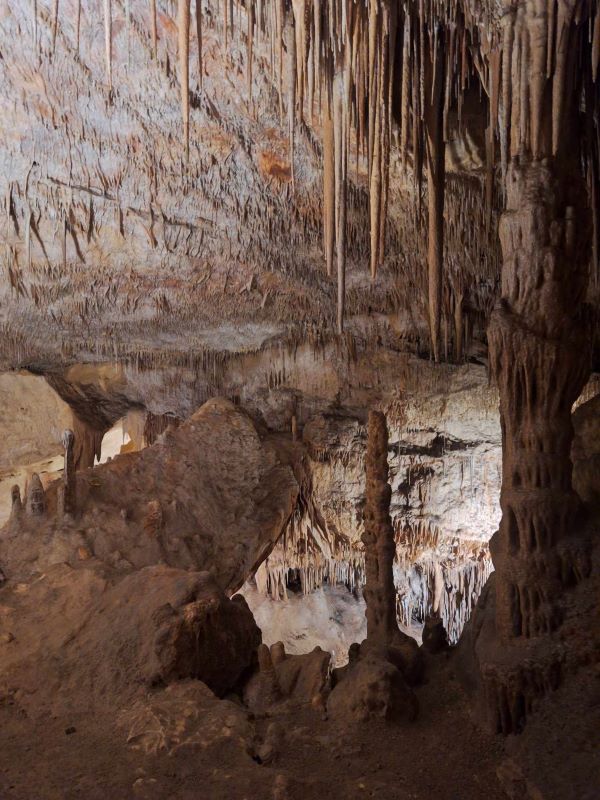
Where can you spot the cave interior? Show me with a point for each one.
(299, 399)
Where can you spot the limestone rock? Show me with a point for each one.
(183, 506)
(293, 680)
(372, 688)
(160, 625)
(185, 718)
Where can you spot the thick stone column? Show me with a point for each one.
(540, 357)
(539, 347)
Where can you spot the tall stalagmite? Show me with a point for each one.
(378, 537)
(384, 637)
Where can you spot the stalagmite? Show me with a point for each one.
(378, 538)
(16, 507)
(69, 478)
(35, 498)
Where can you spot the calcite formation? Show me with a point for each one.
(539, 348)
(69, 489)
(375, 683)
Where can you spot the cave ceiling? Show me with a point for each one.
(153, 225)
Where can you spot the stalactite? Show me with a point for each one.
(435, 151)
(153, 28)
(78, 26)
(199, 40)
(301, 52)
(250, 47)
(564, 17)
(183, 22)
(54, 23)
(279, 18)
(108, 41)
(328, 187)
(340, 161)
(128, 28)
(34, 24)
(69, 495)
(292, 83)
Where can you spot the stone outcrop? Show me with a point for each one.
(186, 718)
(160, 625)
(586, 451)
(288, 681)
(172, 503)
(94, 636)
(372, 688)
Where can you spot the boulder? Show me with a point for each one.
(372, 688)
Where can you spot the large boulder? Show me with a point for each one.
(77, 637)
(284, 681)
(186, 718)
(372, 687)
(161, 625)
(213, 494)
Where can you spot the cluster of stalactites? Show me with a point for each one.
(539, 70)
(447, 589)
(347, 65)
(311, 552)
(371, 72)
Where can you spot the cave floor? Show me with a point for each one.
(440, 755)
